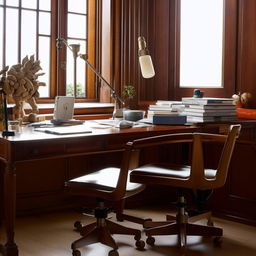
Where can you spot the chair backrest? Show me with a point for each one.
(197, 177)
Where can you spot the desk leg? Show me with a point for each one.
(11, 248)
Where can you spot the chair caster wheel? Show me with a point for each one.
(76, 253)
(113, 253)
(140, 244)
(217, 241)
(78, 226)
(150, 240)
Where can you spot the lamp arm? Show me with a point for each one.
(74, 48)
(114, 94)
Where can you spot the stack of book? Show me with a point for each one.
(166, 112)
(165, 107)
(209, 109)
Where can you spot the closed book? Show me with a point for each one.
(215, 107)
(201, 110)
(168, 102)
(162, 112)
(166, 108)
(246, 113)
(155, 107)
(210, 113)
(201, 119)
(169, 119)
(203, 101)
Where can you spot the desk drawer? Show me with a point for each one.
(38, 150)
(89, 144)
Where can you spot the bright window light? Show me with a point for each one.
(201, 43)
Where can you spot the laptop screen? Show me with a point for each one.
(64, 108)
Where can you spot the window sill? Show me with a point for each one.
(82, 111)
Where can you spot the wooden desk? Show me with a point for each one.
(30, 150)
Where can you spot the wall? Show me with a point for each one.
(154, 20)
(146, 18)
(246, 58)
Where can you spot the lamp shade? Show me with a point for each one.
(146, 66)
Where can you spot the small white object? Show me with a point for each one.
(125, 124)
(64, 108)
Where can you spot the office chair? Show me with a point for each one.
(109, 184)
(194, 176)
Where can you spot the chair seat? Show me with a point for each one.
(105, 180)
(166, 172)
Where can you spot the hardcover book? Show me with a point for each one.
(209, 110)
(212, 113)
(203, 101)
(169, 119)
(212, 107)
(203, 119)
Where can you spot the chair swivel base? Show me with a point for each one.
(182, 230)
(102, 231)
(180, 226)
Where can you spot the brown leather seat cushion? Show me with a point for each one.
(169, 171)
(105, 179)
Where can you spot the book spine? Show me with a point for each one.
(165, 119)
(213, 114)
(210, 107)
(207, 102)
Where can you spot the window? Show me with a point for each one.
(201, 43)
(205, 47)
(31, 27)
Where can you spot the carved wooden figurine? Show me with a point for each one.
(20, 82)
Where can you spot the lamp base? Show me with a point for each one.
(8, 133)
(118, 113)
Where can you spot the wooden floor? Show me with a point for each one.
(52, 234)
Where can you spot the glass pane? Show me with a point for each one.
(44, 23)
(80, 88)
(29, 4)
(78, 6)
(1, 2)
(12, 2)
(1, 39)
(45, 5)
(11, 36)
(44, 57)
(28, 33)
(76, 26)
(201, 42)
(80, 75)
(81, 68)
(70, 74)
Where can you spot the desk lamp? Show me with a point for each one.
(146, 64)
(75, 48)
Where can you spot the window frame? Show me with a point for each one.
(57, 70)
(59, 87)
(229, 54)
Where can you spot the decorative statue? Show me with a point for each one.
(20, 82)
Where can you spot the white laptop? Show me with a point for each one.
(64, 110)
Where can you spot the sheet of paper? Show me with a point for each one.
(76, 129)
